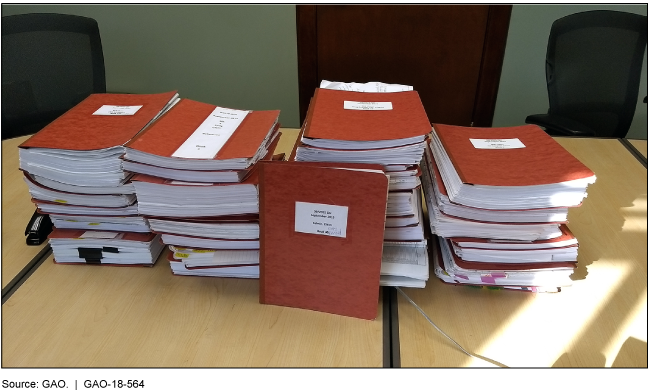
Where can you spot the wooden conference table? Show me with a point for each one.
(94, 316)
(641, 146)
(17, 209)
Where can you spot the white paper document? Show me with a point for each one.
(211, 135)
(99, 235)
(373, 86)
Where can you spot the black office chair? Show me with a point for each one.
(593, 67)
(50, 62)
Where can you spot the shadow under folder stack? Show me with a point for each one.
(498, 199)
(73, 170)
(196, 182)
(386, 128)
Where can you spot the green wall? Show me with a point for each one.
(238, 56)
(245, 56)
(522, 90)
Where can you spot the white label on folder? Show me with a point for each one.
(117, 110)
(211, 135)
(496, 143)
(352, 105)
(99, 235)
(321, 219)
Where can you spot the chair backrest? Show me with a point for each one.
(50, 62)
(593, 67)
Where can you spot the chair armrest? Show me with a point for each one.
(558, 125)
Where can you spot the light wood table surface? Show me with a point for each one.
(641, 146)
(99, 316)
(17, 209)
(601, 321)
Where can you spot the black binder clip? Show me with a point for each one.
(38, 229)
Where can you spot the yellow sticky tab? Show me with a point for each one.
(61, 201)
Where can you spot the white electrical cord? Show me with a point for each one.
(493, 362)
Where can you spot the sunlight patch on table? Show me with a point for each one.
(635, 325)
(538, 334)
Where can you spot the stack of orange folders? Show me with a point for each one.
(385, 128)
(498, 200)
(74, 173)
(196, 181)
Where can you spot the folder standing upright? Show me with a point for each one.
(321, 237)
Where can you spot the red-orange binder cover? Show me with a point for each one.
(317, 272)
(329, 120)
(78, 129)
(168, 133)
(76, 234)
(470, 265)
(560, 241)
(543, 161)
(443, 190)
(170, 258)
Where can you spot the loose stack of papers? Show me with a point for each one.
(404, 264)
(228, 228)
(346, 123)
(214, 263)
(373, 86)
(196, 183)
(102, 223)
(105, 248)
(498, 199)
(73, 170)
(168, 197)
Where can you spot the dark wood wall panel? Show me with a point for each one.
(307, 56)
(419, 45)
(445, 51)
(496, 36)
